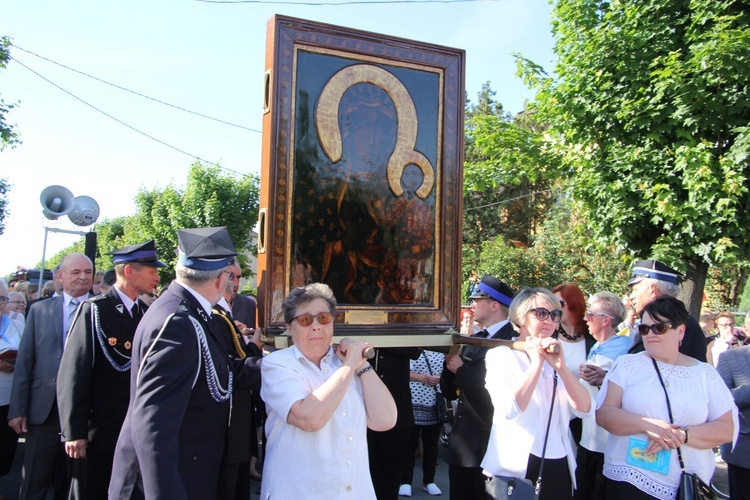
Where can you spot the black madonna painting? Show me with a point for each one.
(363, 197)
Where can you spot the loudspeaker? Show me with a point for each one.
(85, 212)
(56, 201)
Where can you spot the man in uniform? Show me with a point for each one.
(651, 279)
(181, 383)
(33, 406)
(93, 387)
(234, 477)
(463, 378)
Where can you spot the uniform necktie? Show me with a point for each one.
(136, 311)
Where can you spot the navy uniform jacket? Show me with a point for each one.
(693, 343)
(473, 420)
(92, 395)
(734, 368)
(172, 439)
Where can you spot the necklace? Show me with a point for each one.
(572, 338)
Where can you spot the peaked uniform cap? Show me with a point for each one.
(492, 288)
(142, 253)
(656, 270)
(205, 248)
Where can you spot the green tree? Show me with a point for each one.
(210, 198)
(650, 108)
(8, 135)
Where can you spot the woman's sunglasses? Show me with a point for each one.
(542, 314)
(306, 319)
(657, 328)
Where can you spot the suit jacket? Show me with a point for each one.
(93, 389)
(734, 368)
(39, 354)
(243, 309)
(473, 419)
(172, 440)
(693, 343)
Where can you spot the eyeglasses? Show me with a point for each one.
(306, 319)
(657, 328)
(230, 273)
(589, 314)
(542, 314)
(4, 300)
(16, 302)
(563, 303)
(723, 325)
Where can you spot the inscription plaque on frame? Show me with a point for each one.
(361, 178)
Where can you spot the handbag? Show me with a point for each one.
(444, 409)
(516, 488)
(691, 486)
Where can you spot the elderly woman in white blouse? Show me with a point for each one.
(647, 436)
(521, 385)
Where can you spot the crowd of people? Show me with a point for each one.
(124, 392)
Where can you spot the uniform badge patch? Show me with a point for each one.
(127, 344)
(112, 341)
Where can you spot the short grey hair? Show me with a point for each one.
(523, 301)
(305, 295)
(196, 276)
(610, 304)
(666, 288)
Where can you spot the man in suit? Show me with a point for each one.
(93, 387)
(242, 308)
(33, 406)
(652, 279)
(734, 368)
(181, 383)
(463, 378)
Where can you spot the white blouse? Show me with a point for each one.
(697, 395)
(515, 433)
(575, 355)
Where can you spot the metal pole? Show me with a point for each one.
(44, 251)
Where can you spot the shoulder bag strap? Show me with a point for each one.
(538, 485)
(669, 409)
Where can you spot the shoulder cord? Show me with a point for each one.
(234, 333)
(97, 327)
(218, 392)
(669, 410)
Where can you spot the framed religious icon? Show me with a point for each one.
(361, 179)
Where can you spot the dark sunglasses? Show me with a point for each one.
(563, 303)
(542, 314)
(306, 319)
(657, 328)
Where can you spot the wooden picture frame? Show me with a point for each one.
(361, 178)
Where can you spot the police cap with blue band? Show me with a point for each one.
(142, 253)
(492, 288)
(654, 270)
(205, 248)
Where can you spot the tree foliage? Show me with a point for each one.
(210, 198)
(508, 174)
(650, 108)
(8, 135)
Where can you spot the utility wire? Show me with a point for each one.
(365, 2)
(127, 125)
(134, 92)
(508, 200)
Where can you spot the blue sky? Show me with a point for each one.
(204, 57)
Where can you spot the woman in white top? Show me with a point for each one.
(520, 385)
(640, 456)
(320, 403)
(10, 337)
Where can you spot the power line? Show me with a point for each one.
(508, 200)
(134, 92)
(365, 2)
(126, 124)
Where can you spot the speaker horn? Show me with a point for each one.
(85, 212)
(57, 201)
